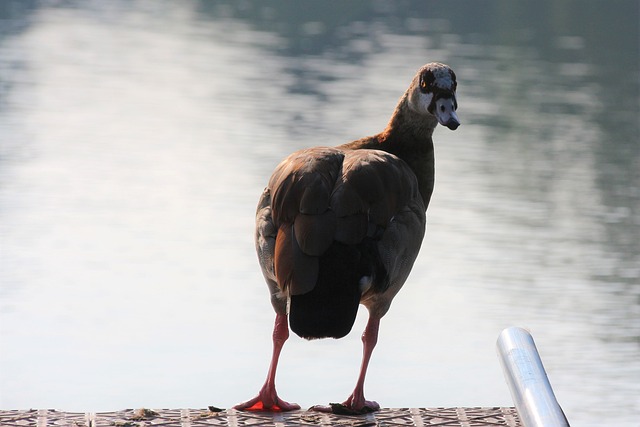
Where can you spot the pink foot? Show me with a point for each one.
(360, 404)
(266, 402)
(350, 406)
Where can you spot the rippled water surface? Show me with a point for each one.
(136, 137)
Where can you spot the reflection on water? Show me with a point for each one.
(135, 139)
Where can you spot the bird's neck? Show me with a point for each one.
(407, 124)
(408, 136)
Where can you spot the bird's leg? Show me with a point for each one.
(267, 399)
(357, 401)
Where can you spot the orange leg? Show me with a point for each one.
(267, 399)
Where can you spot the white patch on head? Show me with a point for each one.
(443, 77)
(421, 105)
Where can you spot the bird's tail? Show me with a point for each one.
(329, 310)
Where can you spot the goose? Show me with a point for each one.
(341, 226)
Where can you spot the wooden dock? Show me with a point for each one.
(418, 417)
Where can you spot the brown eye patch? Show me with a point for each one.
(426, 81)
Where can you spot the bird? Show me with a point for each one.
(339, 227)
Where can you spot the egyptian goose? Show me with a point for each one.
(338, 227)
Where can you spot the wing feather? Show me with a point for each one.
(321, 195)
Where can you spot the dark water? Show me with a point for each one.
(136, 137)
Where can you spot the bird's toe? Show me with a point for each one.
(348, 408)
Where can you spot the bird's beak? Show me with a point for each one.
(445, 112)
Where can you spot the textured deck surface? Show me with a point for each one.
(418, 417)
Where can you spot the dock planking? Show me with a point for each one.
(386, 417)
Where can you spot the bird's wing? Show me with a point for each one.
(321, 195)
(378, 197)
(294, 222)
(265, 236)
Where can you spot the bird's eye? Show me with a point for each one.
(442, 108)
(423, 84)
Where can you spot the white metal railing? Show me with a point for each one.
(527, 380)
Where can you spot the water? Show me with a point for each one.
(136, 137)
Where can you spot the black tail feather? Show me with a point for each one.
(330, 309)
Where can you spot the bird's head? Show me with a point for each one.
(433, 92)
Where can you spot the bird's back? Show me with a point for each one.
(336, 227)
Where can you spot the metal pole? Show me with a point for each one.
(527, 380)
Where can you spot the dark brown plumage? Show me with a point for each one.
(338, 227)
